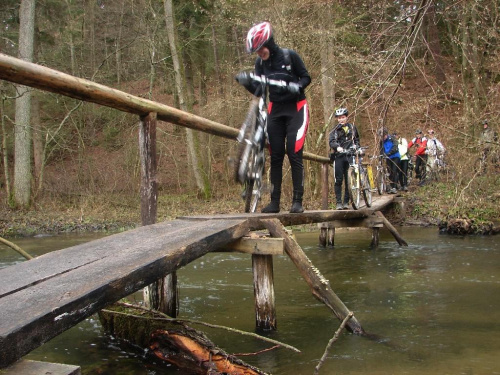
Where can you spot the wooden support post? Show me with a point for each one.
(324, 186)
(161, 295)
(263, 286)
(375, 238)
(391, 229)
(323, 232)
(331, 236)
(327, 233)
(149, 185)
(320, 287)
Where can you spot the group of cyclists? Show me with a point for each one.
(288, 119)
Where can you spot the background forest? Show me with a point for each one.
(404, 64)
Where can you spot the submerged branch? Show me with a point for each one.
(332, 340)
(164, 317)
(16, 248)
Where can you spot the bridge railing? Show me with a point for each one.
(43, 78)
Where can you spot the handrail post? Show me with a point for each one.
(162, 294)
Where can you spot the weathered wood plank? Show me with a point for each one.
(27, 367)
(52, 264)
(38, 311)
(307, 217)
(260, 246)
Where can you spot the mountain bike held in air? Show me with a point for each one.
(251, 158)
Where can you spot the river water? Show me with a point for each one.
(435, 306)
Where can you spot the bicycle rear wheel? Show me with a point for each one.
(250, 202)
(367, 192)
(381, 181)
(354, 188)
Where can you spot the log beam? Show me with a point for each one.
(320, 287)
(259, 246)
(391, 229)
(43, 78)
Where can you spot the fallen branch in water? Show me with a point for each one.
(332, 340)
(173, 341)
(16, 248)
(165, 317)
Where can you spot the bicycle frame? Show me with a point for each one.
(358, 179)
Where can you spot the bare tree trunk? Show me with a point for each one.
(169, 19)
(434, 45)
(4, 149)
(118, 46)
(37, 138)
(22, 158)
(216, 60)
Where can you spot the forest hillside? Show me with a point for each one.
(404, 65)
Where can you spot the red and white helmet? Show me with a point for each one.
(258, 35)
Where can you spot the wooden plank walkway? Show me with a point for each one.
(41, 298)
(47, 295)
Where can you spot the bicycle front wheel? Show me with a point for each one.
(354, 188)
(367, 192)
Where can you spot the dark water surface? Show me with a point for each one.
(436, 303)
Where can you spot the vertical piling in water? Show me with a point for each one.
(263, 286)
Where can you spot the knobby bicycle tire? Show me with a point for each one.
(381, 181)
(365, 184)
(354, 190)
(241, 167)
(248, 195)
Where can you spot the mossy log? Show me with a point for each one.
(172, 341)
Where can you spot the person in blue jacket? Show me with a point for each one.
(391, 151)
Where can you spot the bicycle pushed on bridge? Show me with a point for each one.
(357, 177)
(251, 157)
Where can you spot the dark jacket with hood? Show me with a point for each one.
(276, 68)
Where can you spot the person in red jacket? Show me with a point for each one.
(421, 158)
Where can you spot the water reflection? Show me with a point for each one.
(435, 302)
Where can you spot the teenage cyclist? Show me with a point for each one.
(421, 158)
(288, 111)
(341, 138)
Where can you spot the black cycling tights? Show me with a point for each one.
(286, 128)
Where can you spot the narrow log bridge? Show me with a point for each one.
(43, 297)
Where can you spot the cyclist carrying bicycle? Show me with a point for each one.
(343, 136)
(288, 111)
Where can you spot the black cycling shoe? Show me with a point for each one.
(296, 208)
(271, 208)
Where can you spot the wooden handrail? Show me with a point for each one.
(43, 78)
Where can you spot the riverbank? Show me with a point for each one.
(472, 210)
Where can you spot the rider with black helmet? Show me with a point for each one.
(342, 137)
(288, 111)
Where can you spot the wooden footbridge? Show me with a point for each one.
(43, 297)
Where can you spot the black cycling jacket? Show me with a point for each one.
(275, 68)
(339, 138)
